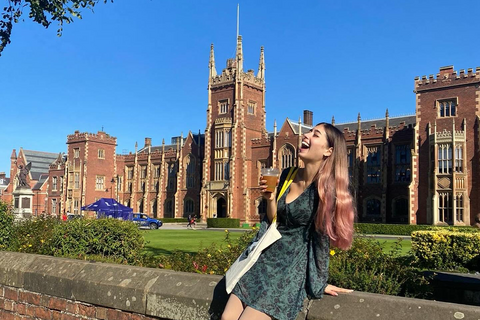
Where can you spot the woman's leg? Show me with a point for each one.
(252, 314)
(233, 309)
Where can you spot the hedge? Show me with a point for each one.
(447, 250)
(405, 229)
(223, 223)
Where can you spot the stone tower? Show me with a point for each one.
(235, 116)
(445, 160)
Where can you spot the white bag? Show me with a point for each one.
(248, 258)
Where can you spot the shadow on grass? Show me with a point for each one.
(160, 251)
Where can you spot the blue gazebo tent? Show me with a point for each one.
(107, 207)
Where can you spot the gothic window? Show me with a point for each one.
(223, 106)
(129, 187)
(168, 207)
(54, 206)
(445, 158)
(373, 207)
(447, 108)
(459, 207)
(188, 207)
(350, 154)
(219, 171)
(227, 170)
(458, 158)
(403, 160)
(287, 156)
(100, 183)
(251, 107)
(101, 154)
(77, 180)
(119, 183)
(143, 172)
(142, 186)
(445, 207)
(374, 168)
(156, 171)
(400, 207)
(76, 205)
(54, 183)
(76, 153)
(130, 173)
(171, 176)
(190, 171)
(61, 183)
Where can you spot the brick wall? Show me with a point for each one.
(19, 304)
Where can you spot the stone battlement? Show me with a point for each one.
(101, 137)
(447, 77)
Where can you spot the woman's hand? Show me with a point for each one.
(269, 196)
(333, 290)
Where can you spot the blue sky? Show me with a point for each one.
(139, 68)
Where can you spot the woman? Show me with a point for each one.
(316, 209)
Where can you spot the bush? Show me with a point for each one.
(223, 223)
(365, 267)
(446, 250)
(112, 238)
(404, 229)
(211, 260)
(7, 231)
(35, 235)
(173, 220)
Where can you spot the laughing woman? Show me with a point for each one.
(315, 211)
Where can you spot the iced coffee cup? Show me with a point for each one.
(271, 175)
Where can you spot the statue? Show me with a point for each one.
(22, 175)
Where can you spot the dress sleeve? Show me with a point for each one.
(317, 265)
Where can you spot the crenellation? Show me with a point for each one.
(447, 77)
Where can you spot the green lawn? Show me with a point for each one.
(166, 241)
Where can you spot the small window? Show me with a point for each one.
(76, 153)
(100, 183)
(143, 172)
(223, 106)
(77, 180)
(101, 154)
(251, 107)
(374, 165)
(54, 184)
(447, 108)
(445, 158)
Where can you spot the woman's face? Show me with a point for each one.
(314, 145)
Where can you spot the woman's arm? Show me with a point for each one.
(333, 290)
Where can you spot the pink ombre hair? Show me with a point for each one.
(335, 213)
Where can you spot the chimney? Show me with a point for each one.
(446, 69)
(308, 118)
(148, 142)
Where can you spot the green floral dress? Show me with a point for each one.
(294, 267)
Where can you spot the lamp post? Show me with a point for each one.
(111, 189)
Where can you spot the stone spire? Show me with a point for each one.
(261, 65)
(359, 121)
(333, 120)
(387, 125)
(211, 63)
(239, 55)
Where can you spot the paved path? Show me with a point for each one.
(203, 226)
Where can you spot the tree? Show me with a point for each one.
(43, 12)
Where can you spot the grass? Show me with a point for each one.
(166, 241)
(161, 242)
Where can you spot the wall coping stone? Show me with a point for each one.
(168, 294)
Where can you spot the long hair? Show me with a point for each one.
(335, 213)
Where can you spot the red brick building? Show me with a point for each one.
(421, 168)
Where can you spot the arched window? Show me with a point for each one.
(189, 171)
(373, 207)
(188, 207)
(168, 208)
(445, 207)
(400, 207)
(287, 156)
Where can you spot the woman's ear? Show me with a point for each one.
(328, 152)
